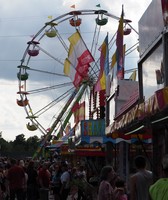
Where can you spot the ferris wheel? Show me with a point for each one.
(45, 92)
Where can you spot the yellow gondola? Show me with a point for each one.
(51, 33)
(31, 127)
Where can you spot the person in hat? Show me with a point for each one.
(159, 190)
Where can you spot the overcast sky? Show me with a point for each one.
(19, 20)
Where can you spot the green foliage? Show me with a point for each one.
(20, 147)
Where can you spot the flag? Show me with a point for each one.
(164, 4)
(120, 33)
(77, 64)
(21, 86)
(120, 64)
(117, 62)
(98, 5)
(67, 129)
(75, 107)
(72, 57)
(120, 52)
(114, 59)
(159, 78)
(50, 17)
(79, 50)
(79, 55)
(82, 111)
(133, 76)
(73, 6)
(70, 71)
(79, 112)
(104, 66)
(162, 71)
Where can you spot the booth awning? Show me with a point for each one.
(136, 122)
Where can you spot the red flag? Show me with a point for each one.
(165, 11)
(79, 112)
(75, 107)
(70, 71)
(82, 111)
(77, 64)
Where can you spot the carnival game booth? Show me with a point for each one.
(86, 142)
(89, 143)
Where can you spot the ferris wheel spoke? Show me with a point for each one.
(53, 87)
(51, 56)
(47, 72)
(54, 102)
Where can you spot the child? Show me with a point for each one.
(120, 190)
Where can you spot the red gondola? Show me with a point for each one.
(22, 102)
(75, 22)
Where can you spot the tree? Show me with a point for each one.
(19, 140)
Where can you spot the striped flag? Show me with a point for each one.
(104, 66)
(77, 64)
(120, 51)
(70, 71)
(73, 58)
(117, 62)
(114, 59)
(79, 49)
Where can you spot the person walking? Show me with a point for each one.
(105, 191)
(140, 181)
(32, 183)
(56, 181)
(16, 178)
(44, 182)
(65, 182)
(159, 190)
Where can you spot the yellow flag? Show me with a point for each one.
(133, 76)
(50, 17)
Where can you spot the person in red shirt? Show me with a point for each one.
(44, 181)
(16, 178)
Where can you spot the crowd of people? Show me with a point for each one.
(34, 180)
